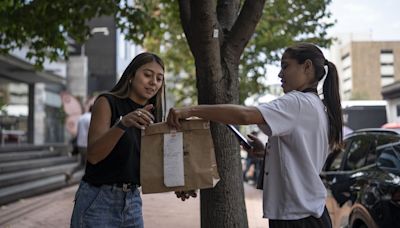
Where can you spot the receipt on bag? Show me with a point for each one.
(173, 160)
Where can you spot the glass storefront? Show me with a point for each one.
(13, 112)
(48, 126)
(54, 118)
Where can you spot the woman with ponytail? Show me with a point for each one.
(302, 130)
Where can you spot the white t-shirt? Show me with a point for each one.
(297, 149)
(83, 129)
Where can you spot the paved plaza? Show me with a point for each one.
(159, 210)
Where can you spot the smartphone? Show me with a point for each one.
(242, 140)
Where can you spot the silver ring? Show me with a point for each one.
(139, 113)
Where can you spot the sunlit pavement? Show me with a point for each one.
(159, 210)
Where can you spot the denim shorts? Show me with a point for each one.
(106, 206)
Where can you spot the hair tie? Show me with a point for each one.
(326, 62)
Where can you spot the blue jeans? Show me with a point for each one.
(106, 206)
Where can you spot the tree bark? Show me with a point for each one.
(217, 35)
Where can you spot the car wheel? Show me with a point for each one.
(360, 216)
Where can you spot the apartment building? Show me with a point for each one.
(365, 67)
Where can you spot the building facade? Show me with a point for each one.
(29, 100)
(108, 54)
(391, 93)
(365, 67)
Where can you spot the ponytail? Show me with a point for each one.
(334, 108)
(303, 51)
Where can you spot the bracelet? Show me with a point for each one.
(120, 125)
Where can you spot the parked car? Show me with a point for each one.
(363, 180)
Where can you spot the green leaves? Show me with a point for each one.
(46, 26)
(283, 23)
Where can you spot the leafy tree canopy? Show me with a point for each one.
(47, 27)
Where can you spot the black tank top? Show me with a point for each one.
(122, 165)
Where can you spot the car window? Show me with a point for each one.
(358, 150)
(381, 139)
(334, 160)
(371, 154)
(390, 157)
(335, 165)
(387, 138)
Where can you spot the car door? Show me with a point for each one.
(338, 176)
(333, 168)
(355, 159)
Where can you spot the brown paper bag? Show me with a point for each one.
(199, 164)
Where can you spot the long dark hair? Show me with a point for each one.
(122, 88)
(303, 51)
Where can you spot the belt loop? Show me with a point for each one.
(125, 187)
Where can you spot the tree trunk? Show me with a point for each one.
(224, 205)
(217, 36)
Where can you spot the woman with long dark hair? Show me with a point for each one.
(108, 194)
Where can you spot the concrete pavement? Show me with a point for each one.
(159, 210)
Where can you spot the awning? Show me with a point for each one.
(391, 91)
(17, 69)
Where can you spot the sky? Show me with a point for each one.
(377, 20)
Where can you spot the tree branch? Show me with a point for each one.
(227, 12)
(186, 16)
(244, 27)
(202, 31)
(184, 9)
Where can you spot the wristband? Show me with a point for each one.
(120, 125)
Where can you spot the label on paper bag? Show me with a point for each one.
(173, 160)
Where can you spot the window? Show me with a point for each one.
(336, 163)
(381, 139)
(346, 61)
(345, 56)
(398, 110)
(386, 80)
(387, 68)
(347, 94)
(389, 157)
(357, 152)
(13, 111)
(387, 138)
(347, 84)
(371, 153)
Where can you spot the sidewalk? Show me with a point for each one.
(159, 210)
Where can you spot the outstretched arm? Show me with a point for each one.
(223, 113)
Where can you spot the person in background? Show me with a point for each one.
(80, 143)
(251, 160)
(302, 129)
(82, 136)
(108, 194)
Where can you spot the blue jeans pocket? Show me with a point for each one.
(106, 206)
(85, 198)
